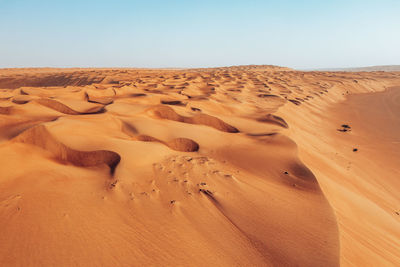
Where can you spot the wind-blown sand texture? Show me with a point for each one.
(236, 166)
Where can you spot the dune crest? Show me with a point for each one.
(60, 107)
(178, 144)
(41, 137)
(270, 118)
(165, 112)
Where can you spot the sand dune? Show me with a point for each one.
(165, 112)
(178, 144)
(388, 68)
(60, 107)
(358, 171)
(235, 166)
(41, 137)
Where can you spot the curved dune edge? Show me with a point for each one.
(173, 102)
(99, 100)
(165, 112)
(13, 129)
(60, 107)
(273, 119)
(22, 99)
(103, 101)
(41, 137)
(178, 144)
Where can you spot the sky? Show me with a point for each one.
(301, 34)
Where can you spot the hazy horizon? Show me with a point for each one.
(155, 34)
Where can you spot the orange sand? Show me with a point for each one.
(130, 167)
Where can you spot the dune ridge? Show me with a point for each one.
(270, 118)
(41, 137)
(178, 144)
(60, 107)
(165, 112)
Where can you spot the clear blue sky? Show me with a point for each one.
(155, 33)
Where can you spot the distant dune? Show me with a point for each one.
(235, 166)
(248, 67)
(387, 68)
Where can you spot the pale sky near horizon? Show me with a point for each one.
(300, 34)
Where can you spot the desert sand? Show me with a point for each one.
(236, 166)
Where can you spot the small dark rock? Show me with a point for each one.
(345, 128)
(113, 184)
(207, 192)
